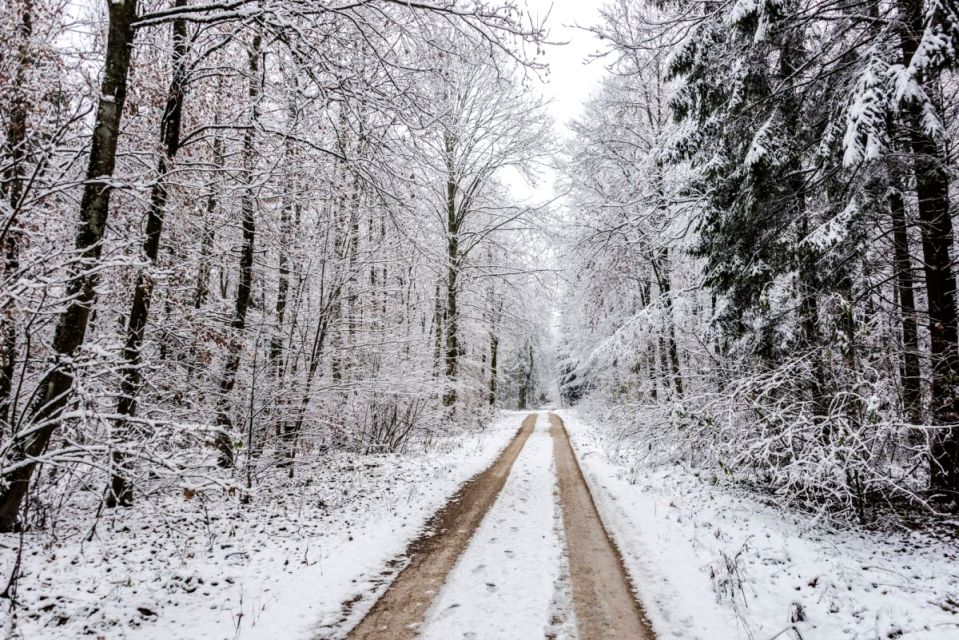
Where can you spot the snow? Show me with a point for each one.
(213, 568)
(758, 147)
(741, 10)
(711, 561)
(707, 559)
(834, 230)
(866, 116)
(504, 585)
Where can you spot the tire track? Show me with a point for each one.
(402, 608)
(603, 599)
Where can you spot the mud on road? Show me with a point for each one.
(603, 602)
(399, 612)
(603, 599)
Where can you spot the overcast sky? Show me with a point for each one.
(571, 78)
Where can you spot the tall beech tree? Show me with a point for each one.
(121, 490)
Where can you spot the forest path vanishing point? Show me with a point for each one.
(602, 600)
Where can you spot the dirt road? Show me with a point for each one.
(398, 613)
(602, 596)
(601, 600)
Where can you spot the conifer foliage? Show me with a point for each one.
(775, 259)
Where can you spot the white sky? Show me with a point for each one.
(571, 78)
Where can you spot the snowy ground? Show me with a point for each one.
(707, 559)
(710, 561)
(212, 568)
(509, 583)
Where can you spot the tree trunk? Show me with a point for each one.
(809, 306)
(438, 332)
(121, 489)
(55, 387)
(283, 266)
(212, 201)
(493, 364)
(911, 374)
(453, 219)
(806, 259)
(452, 331)
(662, 280)
(526, 386)
(292, 430)
(645, 299)
(13, 192)
(345, 232)
(494, 354)
(935, 222)
(224, 442)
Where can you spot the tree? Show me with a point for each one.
(487, 125)
(922, 52)
(173, 295)
(807, 146)
(94, 209)
(121, 490)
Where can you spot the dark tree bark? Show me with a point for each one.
(121, 488)
(283, 260)
(911, 374)
(494, 352)
(55, 387)
(346, 230)
(209, 234)
(790, 63)
(662, 280)
(792, 115)
(352, 307)
(293, 429)
(526, 386)
(12, 191)
(453, 220)
(282, 288)
(224, 423)
(663, 364)
(493, 367)
(438, 332)
(935, 223)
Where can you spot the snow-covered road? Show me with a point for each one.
(539, 564)
(506, 582)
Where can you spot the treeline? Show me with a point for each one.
(767, 279)
(236, 232)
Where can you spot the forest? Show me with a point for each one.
(268, 227)
(264, 255)
(766, 280)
